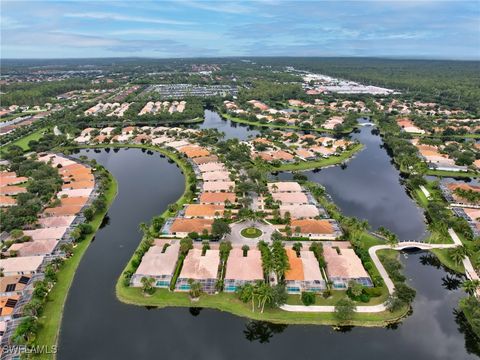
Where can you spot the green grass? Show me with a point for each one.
(51, 318)
(23, 142)
(332, 160)
(446, 260)
(251, 232)
(278, 126)
(163, 298)
(444, 173)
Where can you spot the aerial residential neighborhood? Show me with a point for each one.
(239, 180)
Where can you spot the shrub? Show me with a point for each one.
(308, 298)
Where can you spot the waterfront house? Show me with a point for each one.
(21, 265)
(201, 268)
(216, 198)
(241, 270)
(206, 211)
(343, 266)
(287, 198)
(182, 227)
(304, 273)
(159, 263)
(323, 229)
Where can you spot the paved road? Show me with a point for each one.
(236, 238)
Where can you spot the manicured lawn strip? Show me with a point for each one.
(51, 318)
(306, 165)
(444, 173)
(23, 142)
(277, 126)
(229, 302)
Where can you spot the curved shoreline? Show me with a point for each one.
(228, 302)
(50, 322)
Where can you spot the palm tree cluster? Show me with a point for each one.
(274, 259)
(262, 294)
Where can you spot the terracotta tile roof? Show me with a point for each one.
(181, 225)
(12, 190)
(216, 176)
(312, 226)
(7, 304)
(216, 197)
(203, 210)
(17, 282)
(296, 267)
(194, 151)
(7, 200)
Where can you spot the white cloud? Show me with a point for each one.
(121, 17)
(219, 6)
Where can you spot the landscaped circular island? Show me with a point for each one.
(251, 232)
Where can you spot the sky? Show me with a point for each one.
(183, 28)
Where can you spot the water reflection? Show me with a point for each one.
(262, 331)
(97, 326)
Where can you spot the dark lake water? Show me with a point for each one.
(369, 188)
(97, 326)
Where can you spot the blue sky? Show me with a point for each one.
(407, 28)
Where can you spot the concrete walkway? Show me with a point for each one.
(383, 273)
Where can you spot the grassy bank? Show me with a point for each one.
(51, 318)
(278, 126)
(307, 165)
(163, 298)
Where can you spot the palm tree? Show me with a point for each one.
(265, 295)
(195, 288)
(245, 249)
(471, 286)
(458, 254)
(147, 285)
(297, 247)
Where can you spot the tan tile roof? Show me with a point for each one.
(198, 267)
(247, 268)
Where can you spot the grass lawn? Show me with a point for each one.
(306, 165)
(251, 232)
(23, 142)
(445, 259)
(443, 173)
(163, 298)
(51, 318)
(276, 126)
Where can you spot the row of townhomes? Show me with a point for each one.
(26, 252)
(464, 200)
(245, 266)
(288, 147)
(289, 209)
(303, 216)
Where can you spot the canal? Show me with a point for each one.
(97, 326)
